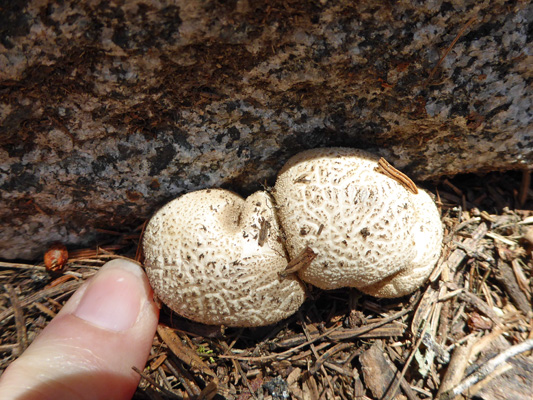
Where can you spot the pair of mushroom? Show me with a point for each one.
(348, 217)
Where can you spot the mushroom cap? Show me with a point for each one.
(368, 231)
(213, 257)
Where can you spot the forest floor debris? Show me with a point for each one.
(468, 332)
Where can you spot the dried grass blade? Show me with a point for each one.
(21, 266)
(149, 379)
(49, 292)
(20, 322)
(185, 354)
(328, 354)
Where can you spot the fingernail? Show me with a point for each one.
(113, 298)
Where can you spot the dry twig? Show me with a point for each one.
(484, 370)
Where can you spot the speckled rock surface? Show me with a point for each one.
(108, 109)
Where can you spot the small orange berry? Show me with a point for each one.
(55, 257)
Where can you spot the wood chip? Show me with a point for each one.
(456, 368)
(378, 374)
(506, 276)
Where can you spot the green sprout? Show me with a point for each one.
(203, 351)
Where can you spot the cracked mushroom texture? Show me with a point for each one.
(368, 231)
(215, 258)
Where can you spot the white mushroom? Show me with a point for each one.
(215, 258)
(368, 231)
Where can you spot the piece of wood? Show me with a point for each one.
(487, 368)
(378, 375)
(302, 260)
(505, 275)
(456, 367)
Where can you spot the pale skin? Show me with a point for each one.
(88, 350)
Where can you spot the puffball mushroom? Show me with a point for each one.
(347, 217)
(367, 230)
(215, 258)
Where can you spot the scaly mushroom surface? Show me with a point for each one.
(367, 229)
(347, 219)
(215, 258)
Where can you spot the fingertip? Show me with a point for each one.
(89, 348)
(113, 298)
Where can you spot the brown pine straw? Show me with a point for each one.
(476, 304)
